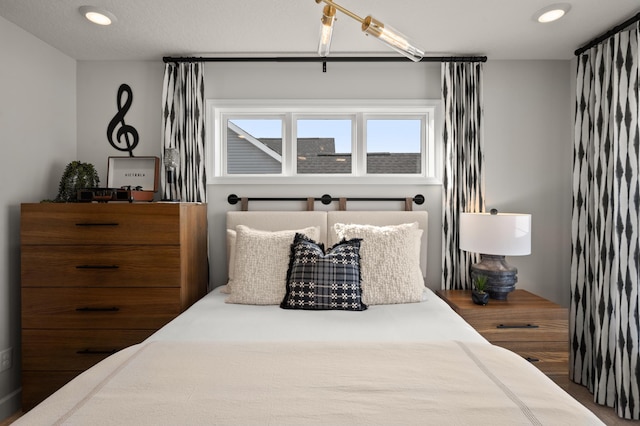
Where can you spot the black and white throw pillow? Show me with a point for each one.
(320, 281)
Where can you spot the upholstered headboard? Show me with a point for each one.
(279, 221)
(284, 220)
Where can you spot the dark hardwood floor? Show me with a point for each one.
(582, 394)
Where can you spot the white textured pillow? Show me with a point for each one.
(389, 260)
(261, 263)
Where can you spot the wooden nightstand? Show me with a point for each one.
(526, 324)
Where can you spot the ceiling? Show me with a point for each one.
(151, 29)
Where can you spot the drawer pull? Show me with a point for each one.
(98, 224)
(97, 351)
(88, 309)
(517, 326)
(97, 266)
(530, 359)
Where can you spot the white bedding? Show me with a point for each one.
(225, 364)
(340, 383)
(213, 319)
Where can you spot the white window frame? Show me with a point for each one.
(288, 111)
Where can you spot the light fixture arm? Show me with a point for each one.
(371, 26)
(342, 9)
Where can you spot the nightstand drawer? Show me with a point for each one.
(529, 325)
(521, 329)
(96, 223)
(97, 308)
(550, 357)
(100, 266)
(74, 349)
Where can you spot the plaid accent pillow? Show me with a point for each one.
(319, 281)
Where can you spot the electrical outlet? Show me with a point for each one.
(6, 359)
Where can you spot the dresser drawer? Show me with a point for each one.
(99, 308)
(100, 266)
(522, 328)
(37, 385)
(95, 223)
(74, 349)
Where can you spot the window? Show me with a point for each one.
(254, 146)
(394, 145)
(323, 146)
(298, 141)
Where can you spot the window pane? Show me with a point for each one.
(324, 146)
(254, 146)
(394, 146)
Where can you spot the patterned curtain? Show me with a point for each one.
(183, 129)
(463, 182)
(604, 323)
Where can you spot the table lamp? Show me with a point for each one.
(496, 235)
(171, 162)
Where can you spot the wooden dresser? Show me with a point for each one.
(529, 325)
(99, 277)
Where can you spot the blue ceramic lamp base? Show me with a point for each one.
(501, 277)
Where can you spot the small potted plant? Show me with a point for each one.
(478, 294)
(77, 175)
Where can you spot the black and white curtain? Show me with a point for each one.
(183, 129)
(463, 182)
(604, 319)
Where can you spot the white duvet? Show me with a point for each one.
(222, 364)
(313, 383)
(213, 319)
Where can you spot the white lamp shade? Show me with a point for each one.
(503, 234)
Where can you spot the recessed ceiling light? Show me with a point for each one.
(552, 13)
(97, 16)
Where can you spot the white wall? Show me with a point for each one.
(527, 142)
(38, 134)
(307, 81)
(98, 84)
(528, 154)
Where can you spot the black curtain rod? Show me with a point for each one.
(615, 30)
(167, 59)
(325, 199)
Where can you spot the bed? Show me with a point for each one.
(258, 351)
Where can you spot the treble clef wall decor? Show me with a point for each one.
(126, 136)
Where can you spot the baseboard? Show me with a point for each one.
(10, 404)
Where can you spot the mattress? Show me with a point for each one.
(212, 319)
(220, 363)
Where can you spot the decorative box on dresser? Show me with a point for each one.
(526, 324)
(98, 277)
